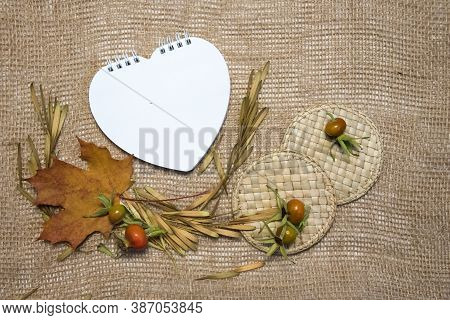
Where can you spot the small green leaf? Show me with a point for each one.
(275, 217)
(348, 144)
(351, 144)
(343, 145)
(283, 232)
(267, 241)
(272, 249)
(105, 250)
(284, 220)
(280, 201)
(292, 226)
(155, 232)
(283, 252)
(354, 144)
(129, 219)
(270, 230)
(105, 201)
(303, 223)
(99, 213)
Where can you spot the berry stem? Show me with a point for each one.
(331, 115)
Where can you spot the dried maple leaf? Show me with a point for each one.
(76, 191)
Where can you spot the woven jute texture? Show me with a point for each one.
(388, 59)
(352, 176)
(293, 176)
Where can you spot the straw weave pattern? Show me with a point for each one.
(294, 176)
(352, 176)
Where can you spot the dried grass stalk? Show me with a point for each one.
(28, 294)
(207, 159)
(52, 116)
(239, 227)
(227, 233)
(158, 200)
(219, 275)
(219, 165)
(259, 216)
(250, 266)
(188, 213)
(234, 272)
(65, 253)
(34, 163)
(201, 229)
(201, 199)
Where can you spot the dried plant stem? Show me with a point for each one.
(233, 272)
(65, 253)
(165, 200)
(28, 294)
(249, 121)
(52, 115)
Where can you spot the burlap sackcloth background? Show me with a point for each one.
(388, 59)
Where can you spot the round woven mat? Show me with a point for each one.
(295, 176)
(352, 176)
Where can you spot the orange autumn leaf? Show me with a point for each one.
(76, 191)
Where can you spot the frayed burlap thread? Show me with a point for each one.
(352, 176)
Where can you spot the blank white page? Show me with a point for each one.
(166, 110)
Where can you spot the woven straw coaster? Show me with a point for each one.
(352, 176)
(295, 176)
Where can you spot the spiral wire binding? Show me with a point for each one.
(122, 61)
(167, 44)
(170, 44)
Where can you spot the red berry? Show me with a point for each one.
(136, 236)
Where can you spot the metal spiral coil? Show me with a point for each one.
(121, 61)
(170, 44)
(165, 45)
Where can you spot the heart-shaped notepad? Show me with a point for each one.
(166, 110)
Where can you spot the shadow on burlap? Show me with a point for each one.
(388, 60)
